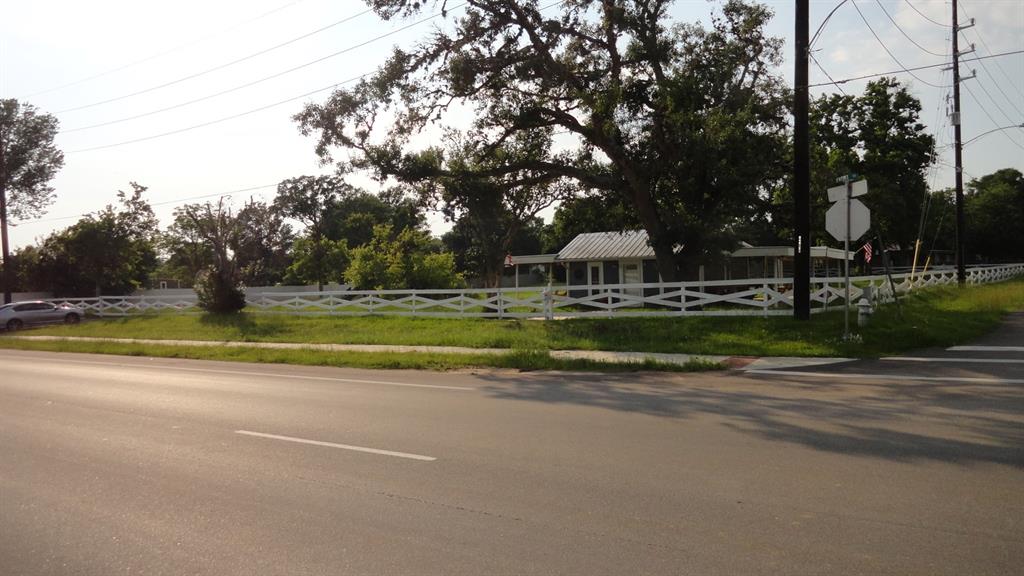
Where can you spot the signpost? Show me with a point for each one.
(848, 219)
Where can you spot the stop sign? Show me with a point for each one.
(835, 219)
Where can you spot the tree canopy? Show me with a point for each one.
(28, 161)
(112, 251)
(686, 123)
(994, 210)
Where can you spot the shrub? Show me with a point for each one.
(219, 293)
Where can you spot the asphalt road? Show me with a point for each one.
(116, 465)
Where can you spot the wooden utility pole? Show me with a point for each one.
(5, 250)
(961, 229)
(801, 168)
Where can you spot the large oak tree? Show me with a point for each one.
(686, 123)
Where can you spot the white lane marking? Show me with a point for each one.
(964, 360)
(969, 380)
(244, 373)
(335, 445)
(986, 349)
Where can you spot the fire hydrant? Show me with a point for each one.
(864, 312)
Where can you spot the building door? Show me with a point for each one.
(596, 275)
(631, 275)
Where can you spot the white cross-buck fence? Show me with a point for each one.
(750, 297)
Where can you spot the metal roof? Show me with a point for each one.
(607, 246)
(534, 259)
(787, 251)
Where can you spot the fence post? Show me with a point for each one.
(549, 313)
(765, 306)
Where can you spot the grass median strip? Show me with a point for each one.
(526, 360)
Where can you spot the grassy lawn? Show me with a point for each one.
(524, 360)
(935, 317)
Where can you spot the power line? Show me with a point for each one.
(165, 52)
(886, 48)
(300, 96)
(1000, 88)
(905, 35)
(989, 114)
(164, 203)
(995, 103)
(258, 81)
(984, 44)
(223, 66)
(915, 69)
(822, 26)
(823, 71)
(922, 14)
(998, 65)
(218, 120)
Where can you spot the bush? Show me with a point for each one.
(405, 261)
(218, 294)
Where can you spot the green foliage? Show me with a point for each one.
(475, 257)
(217, 293)
(110, 252)
(686, 124)
(28, 161)
(29, 157)
(312, 200)
(261, 244)
(304, 269)
(187, 252)
(878, 136)
(218, 285)
(593, 213)
(408, 260)
(356, 212)
(994, 210)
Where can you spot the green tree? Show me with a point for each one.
(357, 212)
(601, 212)
(187, 252)
(219, 285)
(687, 124)
(261, 246)
(408, 260)
(28, 273)
(471, 256)
(110, 252)
(994, 214)
(311, 200)
(28, 161)
(306, 269)
(877, 135)
(492, 210)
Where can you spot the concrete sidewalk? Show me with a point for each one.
(735, 362)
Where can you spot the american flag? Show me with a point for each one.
(867, 252)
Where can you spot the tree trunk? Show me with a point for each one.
(640, 196)
(664, 248)
(5, 271)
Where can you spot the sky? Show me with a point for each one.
(194, 99)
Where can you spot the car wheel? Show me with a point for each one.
(72, 319)
(15, 324)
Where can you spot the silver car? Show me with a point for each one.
(17, 315)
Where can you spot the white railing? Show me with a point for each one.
(751, 297)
